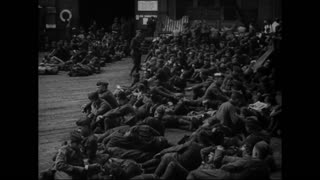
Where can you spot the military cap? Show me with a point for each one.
(101, 83)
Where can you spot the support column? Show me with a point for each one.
(217, 4)
(172, 9)
(264, 11)
(195, 3)
(163, 7)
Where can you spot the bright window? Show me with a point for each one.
(147, 5)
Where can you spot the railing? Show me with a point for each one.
(167, 25)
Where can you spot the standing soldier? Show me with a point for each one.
(136, 52)
(116, 27)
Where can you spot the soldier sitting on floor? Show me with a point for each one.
(69, 161)
(90, 146)
(106, 94)
(88, 65)
(232, 167)
(93, 109)
(53, 61)
(118, 116)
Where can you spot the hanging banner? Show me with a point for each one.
(170, 25)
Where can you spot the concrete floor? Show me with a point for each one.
(60, 99)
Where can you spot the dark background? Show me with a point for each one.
(19, 136)
(104, 11)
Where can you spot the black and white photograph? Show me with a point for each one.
(159, 89)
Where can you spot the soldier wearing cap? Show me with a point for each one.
(227, 113)
(135, 47)
(106, 94)
(69, 162)
(256, 133)
(90, 147)
(94, 108)
(213, 94)
(119, 115)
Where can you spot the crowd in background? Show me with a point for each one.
(213, 83)
(87, 51)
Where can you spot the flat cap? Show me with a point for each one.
(102, 83)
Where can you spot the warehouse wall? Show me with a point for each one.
(51, 15)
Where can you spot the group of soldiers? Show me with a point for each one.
(211, 86)
(86, 52)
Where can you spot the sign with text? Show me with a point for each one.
(51, 26)
(147, 5)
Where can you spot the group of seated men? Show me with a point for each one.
(85, 53)
(215, 90)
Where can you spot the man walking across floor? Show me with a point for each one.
(136, 52)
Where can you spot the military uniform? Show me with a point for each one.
(69, 164)
(215, 96)
(109, 97)
(118, 116)
(93, 110)
(187, 155)
(136, 54)
(226, 115)
(80, 70)
(234, 168)
(90, 146)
